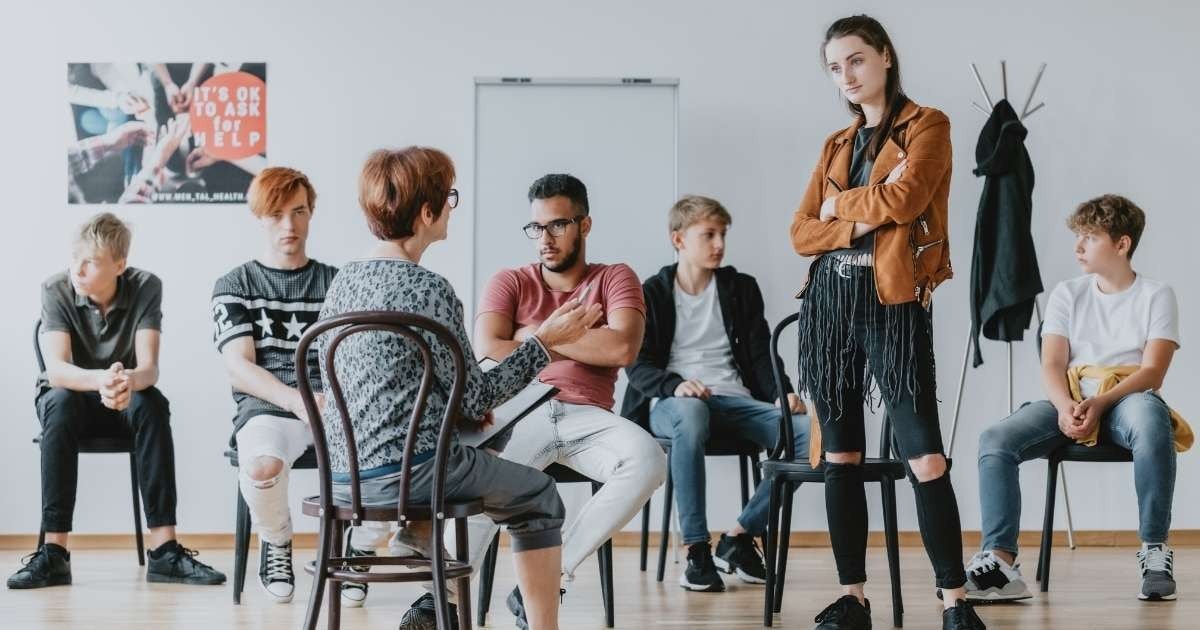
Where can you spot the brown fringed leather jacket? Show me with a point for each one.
(912, 249)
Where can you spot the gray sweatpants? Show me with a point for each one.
(522, 498)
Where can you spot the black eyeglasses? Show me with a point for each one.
(556, 228)
(452, 198)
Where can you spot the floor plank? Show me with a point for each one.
(1093, 588)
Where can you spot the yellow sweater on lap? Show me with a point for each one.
(1109, 377)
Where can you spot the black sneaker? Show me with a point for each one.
(423, 616)
(1157, 563)
(516, 606)
(845, 614)
(50, 565)
(178, 565)
(701, 574)
(354, 594)
(275, 573)
(961, 617)
(740, 554)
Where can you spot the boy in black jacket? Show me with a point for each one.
(704, 369)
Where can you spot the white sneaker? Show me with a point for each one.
(354, 594)
(275, 573)
(1157, 563)
(991, 579)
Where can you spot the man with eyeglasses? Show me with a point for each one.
(578, 428)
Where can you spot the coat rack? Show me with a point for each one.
(1025, 113)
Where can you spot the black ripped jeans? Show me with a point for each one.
(847, 337)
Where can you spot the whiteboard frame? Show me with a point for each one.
(631, 82)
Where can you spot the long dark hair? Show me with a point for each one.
(871, 31)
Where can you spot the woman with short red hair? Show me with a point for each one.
(407, 196)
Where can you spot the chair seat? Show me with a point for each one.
(562, 474)
(306, 461)
(416, 512)
(720, 445)
(118, 444)
(1097, 453)
(874, 469)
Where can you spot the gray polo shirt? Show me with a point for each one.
(99, 340)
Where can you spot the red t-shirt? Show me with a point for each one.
(522, 295)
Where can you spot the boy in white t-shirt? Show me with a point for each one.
(1111, 317)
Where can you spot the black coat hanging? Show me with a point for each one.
(1005, 278)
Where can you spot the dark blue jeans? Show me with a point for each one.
(689, 422)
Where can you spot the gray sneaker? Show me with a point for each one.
(1157, 563)
(991, 579)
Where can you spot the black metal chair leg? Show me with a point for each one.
(605, 556)
(892, 542)
(487, 574)
(769, 552)
(645, 534)
(241, 546)
(755, 471)
(784, 543)
(665, 532)
(137, 510)
(743, 464)
(1048, 526)
(463, 554)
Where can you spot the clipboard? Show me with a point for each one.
(508, 414)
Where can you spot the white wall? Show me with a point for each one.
(348, 78)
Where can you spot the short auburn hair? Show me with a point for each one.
(105, 232)
(1112, 214)
(395, 185)
(272, 188)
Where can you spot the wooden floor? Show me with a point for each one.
(1093, 588)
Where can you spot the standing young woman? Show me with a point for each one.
(874, 216)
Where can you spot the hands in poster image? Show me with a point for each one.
(132, 133)
(153, 175)
(132, 104)
(165, 132)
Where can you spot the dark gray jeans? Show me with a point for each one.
(522, 498)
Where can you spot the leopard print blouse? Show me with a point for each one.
(380, 372)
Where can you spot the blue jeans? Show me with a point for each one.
(689, 422)
(1139, 422)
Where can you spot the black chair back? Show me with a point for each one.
(37, 346)
(786, 447)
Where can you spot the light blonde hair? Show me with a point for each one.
(692, 208)
(105, 232)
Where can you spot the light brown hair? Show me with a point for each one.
(1112, 214)
(692, 208)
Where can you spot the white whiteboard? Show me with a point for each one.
(617, 135)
